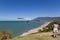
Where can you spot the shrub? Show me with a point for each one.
(49, 27)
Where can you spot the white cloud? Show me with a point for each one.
(28, 18)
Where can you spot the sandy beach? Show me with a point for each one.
(35, 29)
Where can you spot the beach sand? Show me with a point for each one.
(35, 29)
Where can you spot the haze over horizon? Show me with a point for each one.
(12, 9)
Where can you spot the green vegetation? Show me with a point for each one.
(49, 27)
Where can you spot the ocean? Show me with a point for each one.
(18, 27)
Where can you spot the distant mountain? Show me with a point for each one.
(47, 18)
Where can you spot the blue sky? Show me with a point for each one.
(12, 9)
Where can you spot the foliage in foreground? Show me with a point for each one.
(49, 27)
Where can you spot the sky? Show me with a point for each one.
(13, 9)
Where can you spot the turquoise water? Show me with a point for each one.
(18, 27)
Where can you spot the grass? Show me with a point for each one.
(38, 36)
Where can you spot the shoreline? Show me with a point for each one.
(35, 29)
